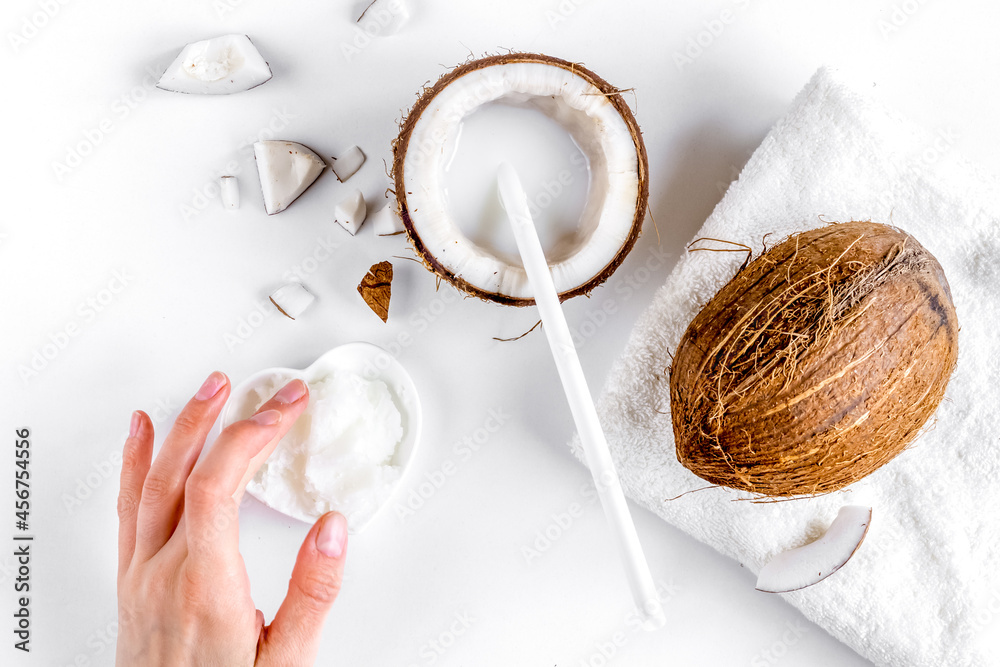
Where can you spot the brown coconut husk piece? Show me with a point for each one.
(819, 362)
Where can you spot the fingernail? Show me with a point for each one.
(213, 384)
(332, 536)
(291, 392)
(266, 418)
(133, 429)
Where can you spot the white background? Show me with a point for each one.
(77, 82)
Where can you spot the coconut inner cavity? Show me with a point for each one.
(554, 170)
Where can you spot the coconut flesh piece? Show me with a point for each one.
(229, 187)
(807, 565)
(286, 169)
(599, 122)
(347, 164)
(351, 211)
(292, 299)
(219, 66)
(386, 221)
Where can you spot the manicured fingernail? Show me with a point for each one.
(291, 392)
(332, 536)
(133, 429)
(213, 384)
(267, 418)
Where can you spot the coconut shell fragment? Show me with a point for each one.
(376, 289)
(819, 362)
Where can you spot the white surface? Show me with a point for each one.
(912, 594)
(191, 281)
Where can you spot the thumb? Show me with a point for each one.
(293, 637)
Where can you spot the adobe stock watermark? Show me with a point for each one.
(562, 12)
(262, 310)
(32, 24)
(99, 643)
(899, 15)
(697, 44)
(941, 144)
(560, 523)
(553, 188)
(422, 319)
(435, 647)
(86, 312)
(462, 450)
(984, 620)
(780, 647)
(419, 149)
(203, 196)
(604, 650)
(225, 7)
(87, 483)
(626, 286)
(94, 136)
(378, 19)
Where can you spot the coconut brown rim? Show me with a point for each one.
(400, 145)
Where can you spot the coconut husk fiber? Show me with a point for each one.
(819, 362)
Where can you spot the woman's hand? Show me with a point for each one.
(183, 590)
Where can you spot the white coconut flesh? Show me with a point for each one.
(348, 163)
(286, 169)
(350, 211)
(230, 189)
(807, 565)
(597, 128)
(386, 222)
(219, 66)
(292, 299)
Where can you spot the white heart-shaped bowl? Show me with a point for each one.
(370, 362)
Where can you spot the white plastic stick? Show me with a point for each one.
(581, 404)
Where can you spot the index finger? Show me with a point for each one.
(211, 496)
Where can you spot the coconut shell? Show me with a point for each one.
(819, 362)
(401, 144)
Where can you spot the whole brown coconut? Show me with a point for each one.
(816, 364)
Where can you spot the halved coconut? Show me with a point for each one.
(810, 564)
(598, 119)
(286, 169)
(219, 66)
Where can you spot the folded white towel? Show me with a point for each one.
(924, 589)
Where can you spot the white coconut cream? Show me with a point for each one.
(339, 455)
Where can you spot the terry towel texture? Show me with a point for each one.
(924, 589)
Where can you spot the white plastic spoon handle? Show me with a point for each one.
(581, 404)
